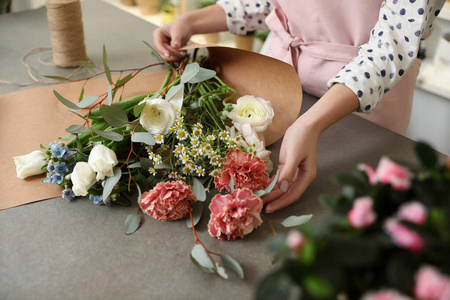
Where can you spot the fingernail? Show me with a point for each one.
(284, 186)
(268, 210)
(176, 44)
(182, 53)
(166, 55)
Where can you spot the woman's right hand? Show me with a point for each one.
(169, 38)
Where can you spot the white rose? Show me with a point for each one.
(30, 164)
(251, 110)
(83, 177)
(255, 140)
(102, 160)
(159, 115)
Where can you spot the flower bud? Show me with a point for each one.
(29, 164)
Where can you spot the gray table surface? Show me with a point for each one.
(56, 249)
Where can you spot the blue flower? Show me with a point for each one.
(61, 168)
(96, 199)
(53, 144)
(68, 153)
(51, 168)
(58, 151)
(57, 178)
(68, 194)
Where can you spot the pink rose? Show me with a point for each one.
(389, 172)
(414, 212)
(431, 284)
(234, 215)
(295, 240)
(385, 295)
(370, 172)
(404, 237)
(168, 200)
(362, 214)
(247, 172)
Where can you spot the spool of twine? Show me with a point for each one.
(66, 29)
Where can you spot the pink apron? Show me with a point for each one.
(319, 37)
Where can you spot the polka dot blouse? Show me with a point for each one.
(381, 62)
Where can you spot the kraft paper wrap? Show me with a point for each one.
(32, 117)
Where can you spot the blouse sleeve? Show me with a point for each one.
(390, 51)
(245, 15)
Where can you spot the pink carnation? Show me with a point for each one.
(234, 215)
(295, 240)
(389, 172)
(414, 212)
(385, 295)
(403, 236)
(362, 214)
(247, 172)
(431, 284)
(168, 200)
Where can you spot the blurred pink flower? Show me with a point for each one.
(234, 215)
(295, 240)
(390, 172)
(247, 172)
(362, 214)
(385, 295)
(403, 236)
(168, 200)
(431, 284)
(414, 212)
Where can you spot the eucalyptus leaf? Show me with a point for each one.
(270, 187)
(174, 91)
(161, 166)
(146, 163)
(232, 184)
(105, 65)
(88, 101)
(85, 64)
(259, 193)
(75, 129)
(137, 110)
(198, 189)
(110, 97)
(274, 286)
(143, 137)
(60, 78)
(221, 271)
(109, 135)
(197, 210)
(114, 115)
(317, 287)
(296, 220)
(123, 80)
(203, 75)
(132, 223)
(201, 258)
(66, 102)
(135, 165)
(110, 182)
(189, 72)
(232, 264)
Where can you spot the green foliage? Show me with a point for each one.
(132, 223)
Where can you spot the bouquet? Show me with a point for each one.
(169, 147)
(386, 237)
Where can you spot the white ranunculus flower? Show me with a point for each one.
(30, 164)
(83, 177)
(256, 140)
(102, 160)
(159, 115)
(251, 110)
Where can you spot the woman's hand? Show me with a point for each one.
(297, 165)
(298, 152)
(169, 38)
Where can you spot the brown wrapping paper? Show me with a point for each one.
(32, 117)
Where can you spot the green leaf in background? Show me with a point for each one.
(161, 166)
(198, 189)
(60, 78)
(201, 259)
(90, 67)
(197, 210)
(221, 271)
(232, 184)
(109, 135)
(75, 129)
(143, 137)
(114, 115)
(110, 97)
(110, 182)
(274, 286)
(293, 221)
(232, 264)
(329, 201)
(137, 110)
(202, 75)
(426, 154)
(146, 163)
(81, 95)
(88, 101)
(123, 80)
(132, 223)
(174, 91)
(317, 287)
(65, 101)
(189, 72)
(105, 65)
(135, 165)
